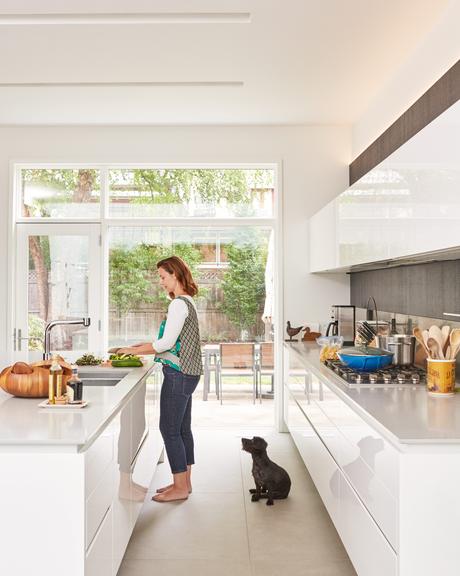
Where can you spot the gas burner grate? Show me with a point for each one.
(391, 375)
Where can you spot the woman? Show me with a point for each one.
(178, 348)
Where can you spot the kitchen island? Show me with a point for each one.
(72, 477)
(386, 462)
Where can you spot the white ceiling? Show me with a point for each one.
(202, 61)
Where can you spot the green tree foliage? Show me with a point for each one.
(36, 332)
(173, 185)
(65, 184)
(244, 284)
(133, 280)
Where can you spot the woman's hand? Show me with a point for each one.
(142, 348)
(129, 350)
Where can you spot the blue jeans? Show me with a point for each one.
(176, 418)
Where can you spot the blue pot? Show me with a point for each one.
(365, 363)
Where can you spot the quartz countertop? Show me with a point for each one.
(23, 423)
(404, 414)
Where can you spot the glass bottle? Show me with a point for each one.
(74, 386)
(54, 381)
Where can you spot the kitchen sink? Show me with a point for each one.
(99, 381)
(95, 372)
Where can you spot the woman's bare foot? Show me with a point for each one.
(171, 495)
(164, 488)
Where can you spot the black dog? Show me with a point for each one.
(272, 481)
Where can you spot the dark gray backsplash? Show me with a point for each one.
(427, 290)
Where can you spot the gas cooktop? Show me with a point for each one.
(389, 376)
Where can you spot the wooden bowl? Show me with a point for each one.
(31, 381)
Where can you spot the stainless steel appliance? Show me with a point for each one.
(343, 323)
(388, 376)
(402, 346)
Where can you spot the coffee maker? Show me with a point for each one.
(343, 323)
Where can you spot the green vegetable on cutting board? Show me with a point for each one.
(125, 360)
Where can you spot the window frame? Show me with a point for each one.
(275, 222)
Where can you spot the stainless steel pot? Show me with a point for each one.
(402, 346)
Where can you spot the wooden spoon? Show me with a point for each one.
(425, 337)
(434, 348)
(418, 335)
(435, 333)
(454, 340)
(445, 339)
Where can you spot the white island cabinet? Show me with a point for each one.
(386, 463)
(68, 500)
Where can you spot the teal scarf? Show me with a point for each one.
(171, 356)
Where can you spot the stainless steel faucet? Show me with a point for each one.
(83, 321)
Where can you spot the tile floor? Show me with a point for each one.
(218, 530)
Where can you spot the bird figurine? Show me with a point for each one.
(309, 336)
(292, 331)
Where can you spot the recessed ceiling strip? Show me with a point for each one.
(141, 18)
(45, 84)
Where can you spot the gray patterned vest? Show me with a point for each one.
(189, 359)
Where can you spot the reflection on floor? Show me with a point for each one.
(218, 530)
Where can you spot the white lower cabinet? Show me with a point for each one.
(112, 471)
(321, 466)
(99, 556)
(97, 504)
(355, 495)
(368, 549)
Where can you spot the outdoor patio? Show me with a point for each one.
(237, 408)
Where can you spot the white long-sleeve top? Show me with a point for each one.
(177, 313)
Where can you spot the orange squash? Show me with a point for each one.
(31, 381)
(21, 368)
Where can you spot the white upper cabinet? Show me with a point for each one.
(407, 206)
(323, 240)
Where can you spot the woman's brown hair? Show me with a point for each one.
(175, 265)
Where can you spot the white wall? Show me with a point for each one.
(314, 170)
(438, 52)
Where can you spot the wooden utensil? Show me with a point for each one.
(425, 337)
(434, 348)
(435, 333)
(418, 335)
(454, 340)
(445, 330)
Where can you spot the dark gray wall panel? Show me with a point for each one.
(426, 290)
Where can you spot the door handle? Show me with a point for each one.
(18, 338)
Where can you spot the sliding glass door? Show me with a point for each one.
(58, 277)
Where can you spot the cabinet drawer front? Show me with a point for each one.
(98, 458)
(369, 551)
(98, 503)
(99, 558)
(355, 459)
(374, 495)
(327, 431)
(320, 464)
(370, 446)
